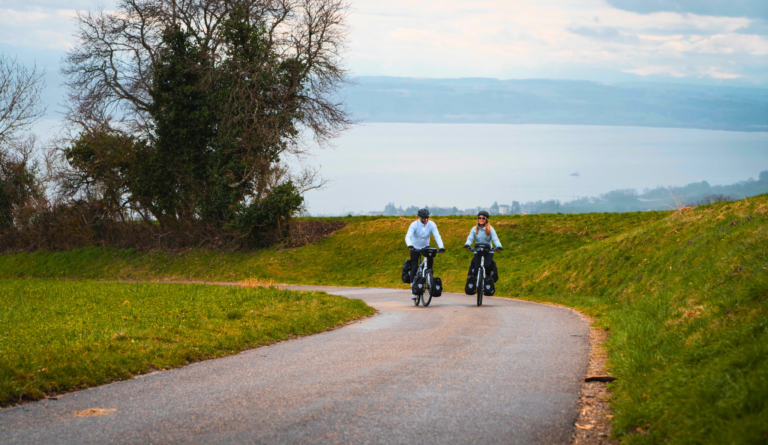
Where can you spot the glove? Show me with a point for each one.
(441, 251)
(410, 247)
(466, 246)
(499, 248)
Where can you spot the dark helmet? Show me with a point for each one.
(484, 213)
(423, 213)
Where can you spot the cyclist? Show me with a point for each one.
(482, 233)
(417, 238)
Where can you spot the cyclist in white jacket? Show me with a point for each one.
(417, 238)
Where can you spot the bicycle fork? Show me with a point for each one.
(480, 276)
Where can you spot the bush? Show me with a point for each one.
(711, 199)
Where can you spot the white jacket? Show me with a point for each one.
(418, 235)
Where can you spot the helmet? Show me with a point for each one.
(423, 213)
(484, 213)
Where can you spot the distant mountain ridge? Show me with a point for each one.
(543, 101)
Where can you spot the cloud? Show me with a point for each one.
(755, 27)
(36, 28)
(14, 16)
(57, 4)
(585, 39)
(548, 38)
(606, 34)
(733, 8)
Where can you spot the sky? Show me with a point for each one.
(710, 42)
(603, 40)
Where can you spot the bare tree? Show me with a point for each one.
(111, 67)
(21, 190)
(111, 72)
(20, 102)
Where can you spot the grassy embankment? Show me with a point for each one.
(684, 295)
(57, 336)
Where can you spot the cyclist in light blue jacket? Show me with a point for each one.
(482, 233)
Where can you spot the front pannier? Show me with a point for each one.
(418, 284)
(490, 287)
(471, 287)
(407, 272)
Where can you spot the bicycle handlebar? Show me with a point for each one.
(485, 249)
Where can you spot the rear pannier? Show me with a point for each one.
(407, 272)
(437, 287)
(493, 271)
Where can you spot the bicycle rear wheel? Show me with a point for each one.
(480, 286)
(426, 297)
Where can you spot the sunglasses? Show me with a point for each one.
(426, 217)
(481, 217)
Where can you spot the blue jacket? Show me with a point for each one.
(481, 237)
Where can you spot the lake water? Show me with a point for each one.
(472, 165)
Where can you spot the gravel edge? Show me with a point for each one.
(593, 425)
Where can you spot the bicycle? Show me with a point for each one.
(430, 287)
(483, 250)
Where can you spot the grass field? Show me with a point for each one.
(57, 336)
(683, 294)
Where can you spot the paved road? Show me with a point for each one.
(453, 373)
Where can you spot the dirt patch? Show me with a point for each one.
(593, 425)
(312, 231)
(95, 412)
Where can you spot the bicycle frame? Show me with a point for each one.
(483, 250)
(422, 271)
(481, 276)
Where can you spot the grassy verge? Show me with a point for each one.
(684, 295)
(365, 253)
(57, 336)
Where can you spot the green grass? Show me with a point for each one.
(365, 253)
(684, 296)
(58, 336)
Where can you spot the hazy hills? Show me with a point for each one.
(477, 100)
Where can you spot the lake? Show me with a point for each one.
(470, 165)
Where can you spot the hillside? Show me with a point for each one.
(684, 295)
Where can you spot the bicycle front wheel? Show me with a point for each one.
(426, 297)
(480, 286)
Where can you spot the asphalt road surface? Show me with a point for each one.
(453, 373)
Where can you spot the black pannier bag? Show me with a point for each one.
(490, 287)
(471, 287)
(437, 287)
(407, 272)
(493, 271)
(418, 284)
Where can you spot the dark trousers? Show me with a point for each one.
(475, 264)
(415, 263)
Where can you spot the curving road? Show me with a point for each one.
(453, 373)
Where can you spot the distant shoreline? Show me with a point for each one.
(363, 122)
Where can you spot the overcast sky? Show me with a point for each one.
(696, 41)
(691, 41)
(588, 39)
